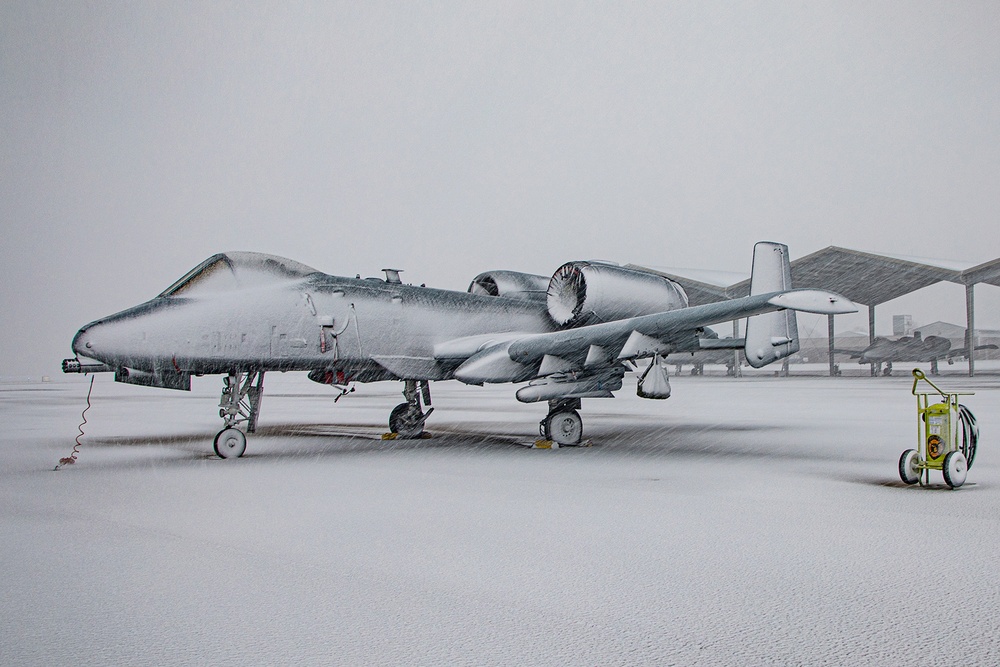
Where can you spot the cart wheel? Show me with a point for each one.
(955, 469)
(909, 471)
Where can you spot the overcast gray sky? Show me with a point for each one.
(448, 138)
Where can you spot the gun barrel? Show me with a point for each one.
(76, 366)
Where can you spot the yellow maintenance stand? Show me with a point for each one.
(947, 436)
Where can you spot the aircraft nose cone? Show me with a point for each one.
(83, 344)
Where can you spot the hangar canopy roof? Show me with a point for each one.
(866, 278)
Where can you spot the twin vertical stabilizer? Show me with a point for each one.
(771, 336)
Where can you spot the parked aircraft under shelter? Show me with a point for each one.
(913, 348)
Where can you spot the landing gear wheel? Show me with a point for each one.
(402, 423)
(955, 469)
(230, 443)
(564, 427)
(396, 416)
(908, 470)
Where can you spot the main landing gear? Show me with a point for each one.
(239, 406)
(407, 419)
(563, 425)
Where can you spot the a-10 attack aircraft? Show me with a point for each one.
(910, 349)
(567, 337)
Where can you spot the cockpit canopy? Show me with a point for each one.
(230, 271)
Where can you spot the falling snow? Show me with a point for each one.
(749, 521)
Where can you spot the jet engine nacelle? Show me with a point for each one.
(510, 284)
(589, 292)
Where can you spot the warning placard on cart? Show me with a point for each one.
(934, 449)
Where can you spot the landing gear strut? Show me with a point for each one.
(239, 406)
(407, 419)
(563, 424)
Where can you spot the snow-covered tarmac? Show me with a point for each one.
(744, 522)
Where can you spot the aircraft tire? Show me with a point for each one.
(398, 422)
(908, 470)
(564, 427)
(230, 443)
(955, 469)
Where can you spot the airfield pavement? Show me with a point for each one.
(753, 521)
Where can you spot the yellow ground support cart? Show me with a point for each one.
(947, 436)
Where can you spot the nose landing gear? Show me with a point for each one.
(239, 406)
(230, 443)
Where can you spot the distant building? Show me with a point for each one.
(956, 335)
(902, 325)
(953, 332)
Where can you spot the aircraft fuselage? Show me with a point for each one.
(320, 322)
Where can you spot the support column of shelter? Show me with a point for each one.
(829, 328)
(871, 333)
(737, 371)
(970, 327)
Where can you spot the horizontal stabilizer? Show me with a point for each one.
(814, 301)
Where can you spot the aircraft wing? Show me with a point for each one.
(649, 334)
(601, 345)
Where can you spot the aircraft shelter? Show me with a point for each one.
(868, 279)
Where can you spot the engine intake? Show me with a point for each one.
(511, 284)
(589, 292)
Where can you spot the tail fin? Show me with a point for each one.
(770, 336)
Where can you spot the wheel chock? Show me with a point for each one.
(551, 444)
(395, 436)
